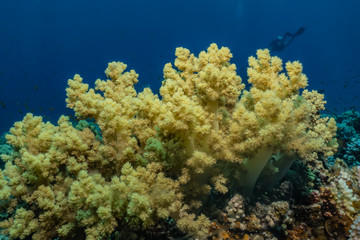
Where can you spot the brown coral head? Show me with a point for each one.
(338, 227)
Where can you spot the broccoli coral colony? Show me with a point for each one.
(152, 158)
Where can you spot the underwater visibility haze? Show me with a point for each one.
(180, 119)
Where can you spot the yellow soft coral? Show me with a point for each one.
(148, 157)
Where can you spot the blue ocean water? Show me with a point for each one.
(44, 43)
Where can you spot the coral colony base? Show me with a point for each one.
(141, 165)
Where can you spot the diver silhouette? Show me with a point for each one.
(279, 43)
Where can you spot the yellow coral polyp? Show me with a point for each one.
(148, 157)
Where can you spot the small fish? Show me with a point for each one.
(2, 104)
(26, 105)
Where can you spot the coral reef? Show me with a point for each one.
(348, 135)
(4, 149)
(355, 229)
(327, 209)
(152, 158)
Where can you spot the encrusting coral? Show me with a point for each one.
(160, 157)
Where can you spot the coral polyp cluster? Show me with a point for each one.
(150, 159)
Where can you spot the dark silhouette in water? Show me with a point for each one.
(279, 43)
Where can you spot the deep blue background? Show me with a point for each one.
(43, 43)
